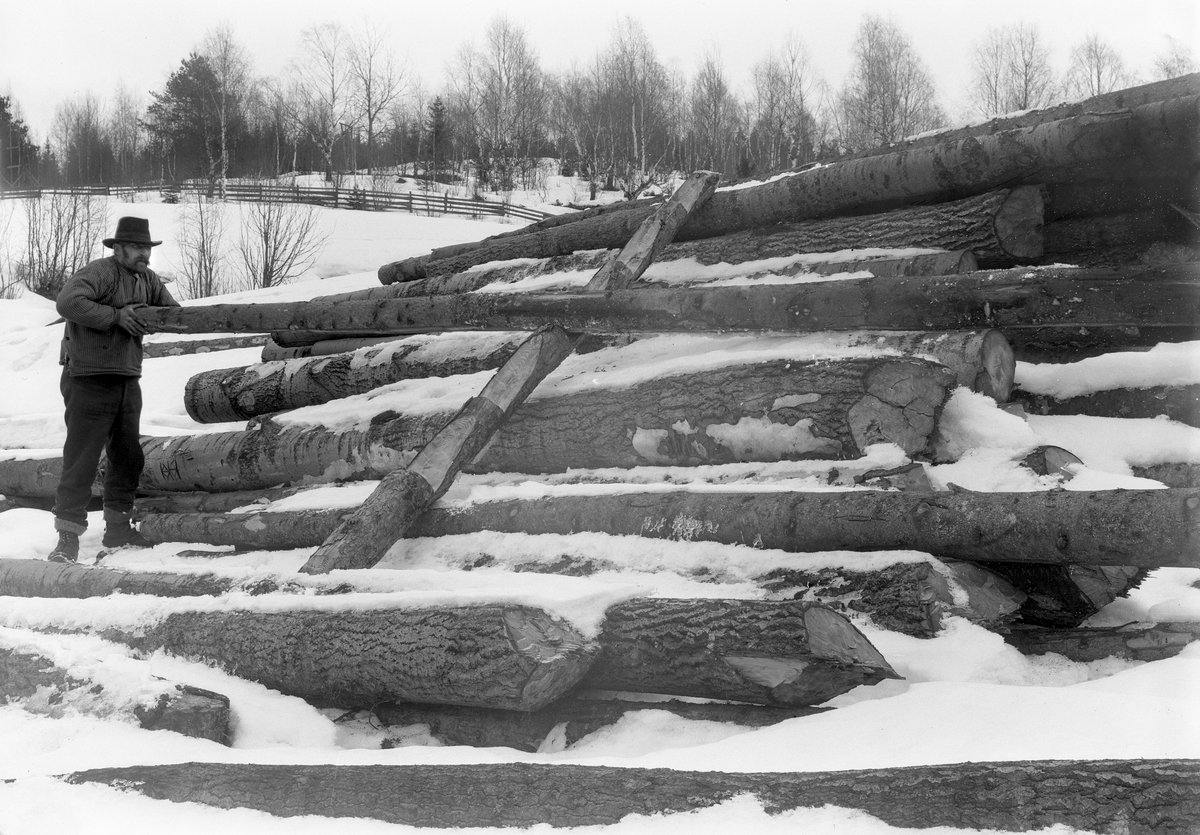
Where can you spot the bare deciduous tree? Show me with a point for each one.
(230, 65)
(888, 94)
(1096, 68)
(62, 233)
(380, 81)
(714, 114)
(278, 242)
(200, 238)
(1175, 60)
(1011, 71)
(326, 85)
(784, 130)
(125, 130)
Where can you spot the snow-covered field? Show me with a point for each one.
(965, 695)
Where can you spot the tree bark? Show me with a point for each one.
(1181, 403)
(39, 686)
(484, 728)
(231, 394)
(1139, 797)
(500, 656)
(36, 578)
(1081, 147)
(364, 536)
(151, 350)
(1143, 528)
(1172, 475)
(1064, 596)
(1132, 641)
(656, 231)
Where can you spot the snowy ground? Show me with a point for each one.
(965, 696)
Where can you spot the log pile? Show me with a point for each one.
(1069, 212)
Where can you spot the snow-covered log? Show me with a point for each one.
(1139, 797)
(36, 578)
(1142, 528)
(151, 350)
(655, 232)
(230, 394)
(1178, 474)
(1096, 144)
(1181, 403)
(32, 679)
(510, 657)
(569, 719)
(1137, 642)
(364, 536)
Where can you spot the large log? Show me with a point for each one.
(1136, 642)
(1130, 306)
(32, 679)
(570, 719)
(36, 578)
(1081, 147)
(1085, 240)
(364, 536)
(1111, 196)
(1181, 403)
(1138, 797)
(229, 394)
(510, 657)
(1143, 528)
(654, 234)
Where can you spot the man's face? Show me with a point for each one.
(134, 257)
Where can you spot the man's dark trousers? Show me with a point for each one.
(103, 414)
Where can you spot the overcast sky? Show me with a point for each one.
(51, 50)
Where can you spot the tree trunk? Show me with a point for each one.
(1075, 306)
(484, 728)
(1064, 596)
(33, 681)
(231, 394)
(151, 350)
(1132, 641)
(501, 656)
(999, 227)
(1113, 196)
(273, 351)
(655, 232)
(1143, 528)
(1172, 475)
(1181, 403)
(364, 536)
(1138, 797)
(1082, 147)
(1084, 238)
(36, 578)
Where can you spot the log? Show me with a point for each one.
(1135, 642)
(999, 227)
(1051, 306)
(485, 728)
(151, 350)
(1181, 403)
(1142, 528)
(230, 394)
(1080, 147)
(655, 232)
(1089, 240)
(364, 536)
(510, 657)
(34, 681)
(1111, 196)
(1064, 596)
(1139, 797)
(273, 351)
(36, 578)
(1172, 475)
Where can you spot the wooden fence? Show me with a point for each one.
(332, 197)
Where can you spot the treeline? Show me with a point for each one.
(623, 120)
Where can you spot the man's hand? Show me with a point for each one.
(130, 322)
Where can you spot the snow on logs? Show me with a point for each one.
(1139, 797)
(1081, 147)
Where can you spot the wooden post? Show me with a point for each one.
(402, 496)
(656, 232)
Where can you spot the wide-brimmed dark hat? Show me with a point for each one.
(131, 230)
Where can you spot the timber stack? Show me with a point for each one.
(800, 325)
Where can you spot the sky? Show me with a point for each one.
(56, 49)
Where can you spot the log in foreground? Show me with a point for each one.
(36, 683)
(231, 394)
(509, 657)
(1065, 150)
(37, 578)
(1138, 797)
(364, 536)
(484, 728)
(1143, 528)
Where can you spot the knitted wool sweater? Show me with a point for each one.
(89, 301)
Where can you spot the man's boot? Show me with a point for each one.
(119, 533)
(67, 549)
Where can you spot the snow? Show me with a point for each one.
(966, 695)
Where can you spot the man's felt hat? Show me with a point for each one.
(132, 230)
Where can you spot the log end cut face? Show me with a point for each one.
(901, 404)
(548, 642)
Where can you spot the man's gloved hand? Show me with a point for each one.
(129, 321)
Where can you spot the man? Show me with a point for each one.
(102, 362)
